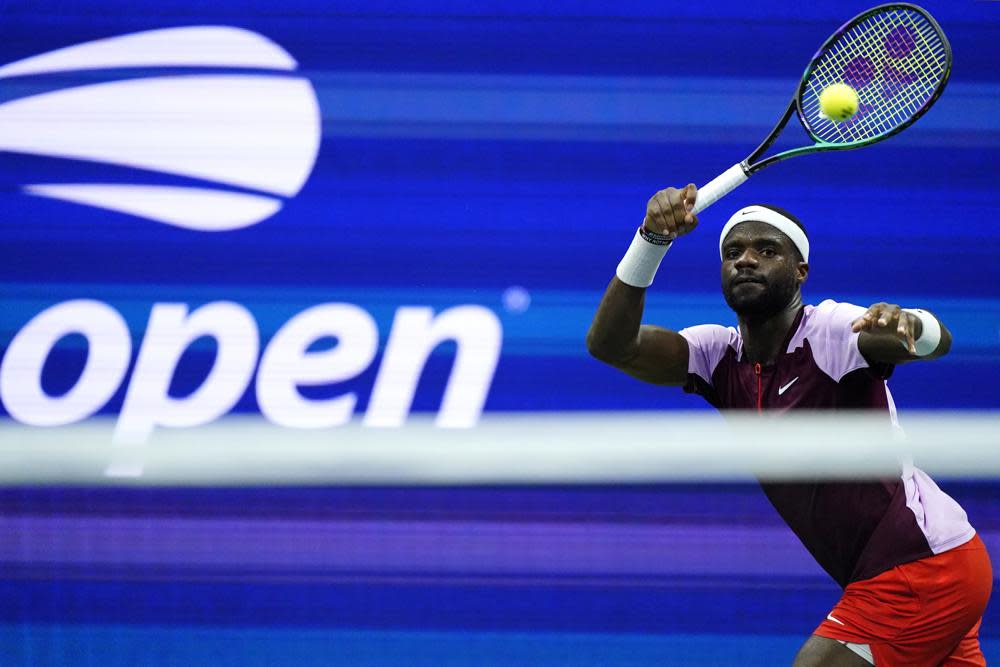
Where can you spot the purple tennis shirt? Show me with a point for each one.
(854, 529)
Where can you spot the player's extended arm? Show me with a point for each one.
(894, 335)
(617, 335)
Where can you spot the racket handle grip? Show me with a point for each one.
(719, 187)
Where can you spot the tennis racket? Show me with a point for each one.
(897, 59)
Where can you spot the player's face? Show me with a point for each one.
(761, 270)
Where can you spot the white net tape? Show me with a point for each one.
(512, 448)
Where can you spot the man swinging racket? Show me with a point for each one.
(915, 575)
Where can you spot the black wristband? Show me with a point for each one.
(654, 238)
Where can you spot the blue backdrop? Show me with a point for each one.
(489, 154)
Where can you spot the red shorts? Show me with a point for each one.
(922, 613)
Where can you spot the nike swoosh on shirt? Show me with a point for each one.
(781, 390)
(835, 620)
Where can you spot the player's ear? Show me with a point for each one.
(801, 272)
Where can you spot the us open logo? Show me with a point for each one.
(208, 151)
(238, 143)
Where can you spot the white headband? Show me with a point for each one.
(770, 217)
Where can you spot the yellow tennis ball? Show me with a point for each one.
(838, 102)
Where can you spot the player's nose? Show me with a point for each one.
(746, 258)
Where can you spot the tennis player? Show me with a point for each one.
(915, 575)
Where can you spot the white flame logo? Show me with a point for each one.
(255, 132)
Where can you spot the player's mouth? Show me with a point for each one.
(745, 279)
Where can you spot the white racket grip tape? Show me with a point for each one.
(719, 187)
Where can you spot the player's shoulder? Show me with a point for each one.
(711, 335)
(708, 345)
(830, 313)
(833, 343)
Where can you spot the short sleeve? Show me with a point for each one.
(834, 345)
(707, 345)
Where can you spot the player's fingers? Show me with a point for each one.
(867, 320)
(654, 215)
(690, 194)
(683, 227)
(904, 331)
(669, 211)
(690, 222)
(911, 339)
(687, 217)
(662, 203)
(884, 315)
(893, 316)
(674, 208)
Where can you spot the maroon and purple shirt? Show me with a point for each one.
(854, 529)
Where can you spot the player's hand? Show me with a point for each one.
(669, 212)
(891, 320)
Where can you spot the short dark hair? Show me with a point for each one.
(790, 216)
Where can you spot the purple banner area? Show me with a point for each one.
(413, 548)
(649, 559)
(417, 548)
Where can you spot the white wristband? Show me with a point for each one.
(641, 261)
(930, 334)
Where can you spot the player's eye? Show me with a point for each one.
(768, 251)
(731, 253)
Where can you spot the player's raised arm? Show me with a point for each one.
(894, 335)
(617, 336)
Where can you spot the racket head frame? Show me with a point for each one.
(753, 163)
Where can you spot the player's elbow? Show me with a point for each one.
(604, 349)
(597, 347)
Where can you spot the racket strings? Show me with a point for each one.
(897, 92)
(912, 96)
(896, 60)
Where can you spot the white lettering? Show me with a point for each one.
(286, 364)
(285, 367)
(108, 350)
(169, 332)
(415, 333)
